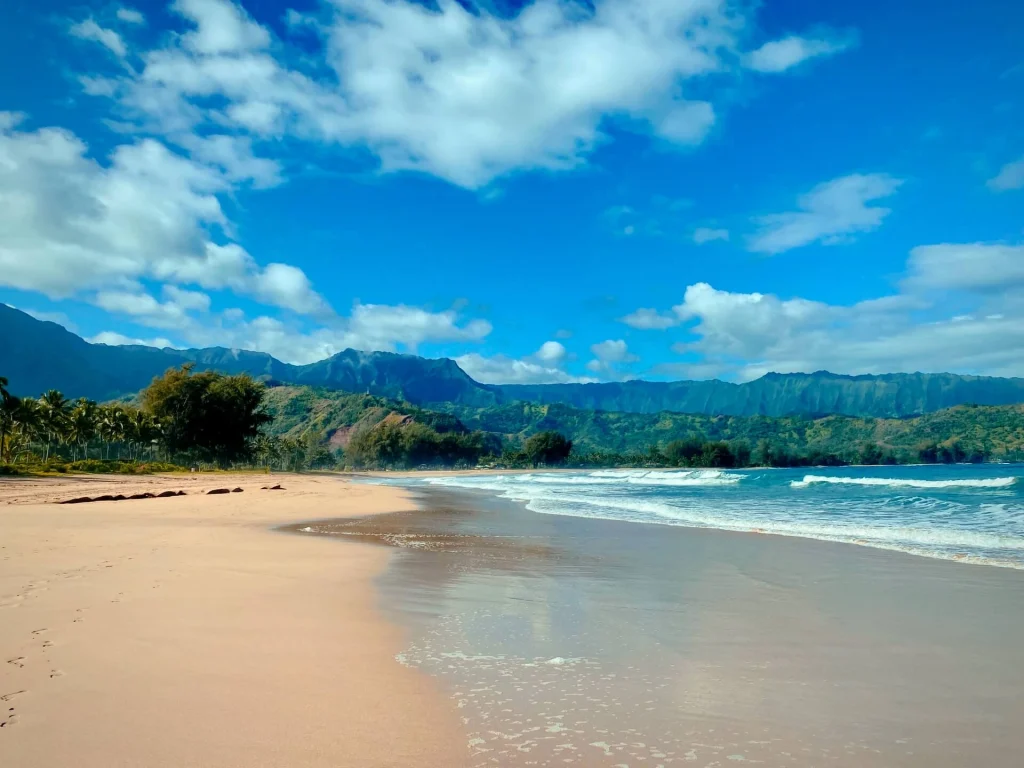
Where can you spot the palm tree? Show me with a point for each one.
(23, 427)
(9, 406)
(111, 425)
(55, 409)
(142, 429)
(82, 425)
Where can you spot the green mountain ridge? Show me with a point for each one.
(991, 432)
(38, 355)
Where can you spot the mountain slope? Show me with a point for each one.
(995, 432)
(891, 395)
(37, 355)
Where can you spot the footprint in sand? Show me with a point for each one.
(56, 673)
(18, 662)
(47, 643)
(9, 696)
(39, 631)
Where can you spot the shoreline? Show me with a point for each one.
(609, 643)
(822, 538)
(169, 632)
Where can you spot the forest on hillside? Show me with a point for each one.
(188, 418)
(963, 433)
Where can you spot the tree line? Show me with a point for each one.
(186, 418)
(182, 418)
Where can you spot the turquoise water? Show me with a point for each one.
(972, 513)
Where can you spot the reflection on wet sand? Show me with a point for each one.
(571, 641)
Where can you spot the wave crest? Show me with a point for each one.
(903, 482)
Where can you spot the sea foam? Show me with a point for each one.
(906, 482)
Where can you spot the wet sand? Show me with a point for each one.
(569, 641)
(187, 632)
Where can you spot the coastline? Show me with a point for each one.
(604, 643)
(186, 631)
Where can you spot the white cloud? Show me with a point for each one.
(960, 308)
(542, 367)
(984, 267)
(376, 326)
(130, 16)
(650, 320)
(780, 55)
(115, 339)
(608, 356)
(551, 352)
(612, 351)
(70, 224)
(195, 301)
(742, 324)
(369, 327)
(501, 369)
(703, 235)
(108, 38)
(830, 213)
(465, 95)
(1010, 176)
(221, 27)
(234, 157)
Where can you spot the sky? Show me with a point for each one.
(549, 192)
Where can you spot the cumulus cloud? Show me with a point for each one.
(1010, 176)
(72, 224)
(465, 95)
(375, 326)
(960, 308)
(501, 369)
(646, 319)
(779, 55)
(108, 38)
(703, 235)
(130, 16)
(608, 356)
(551, 352)
(542, 367)
(986, 267)
(831, 213)
(115, 339)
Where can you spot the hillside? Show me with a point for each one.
(995, 431)
(37, 355)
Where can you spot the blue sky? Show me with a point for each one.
(553, 192)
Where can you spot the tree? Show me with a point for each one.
(54, 415)
(82, 425)
(547, 448)
(209, 415)
(870, 453)
(9, 405)
(684, 453)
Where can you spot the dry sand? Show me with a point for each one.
(186, 632)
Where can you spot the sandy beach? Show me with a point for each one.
(186, 631)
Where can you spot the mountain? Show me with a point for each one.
(891, 395)
(993, 432)
(37, 355)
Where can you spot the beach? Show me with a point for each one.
(567, 640)
(340, 622)
(186, 631)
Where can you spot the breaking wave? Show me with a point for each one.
(906, 482)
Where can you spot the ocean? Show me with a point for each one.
(972, 513)
(634, 618)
